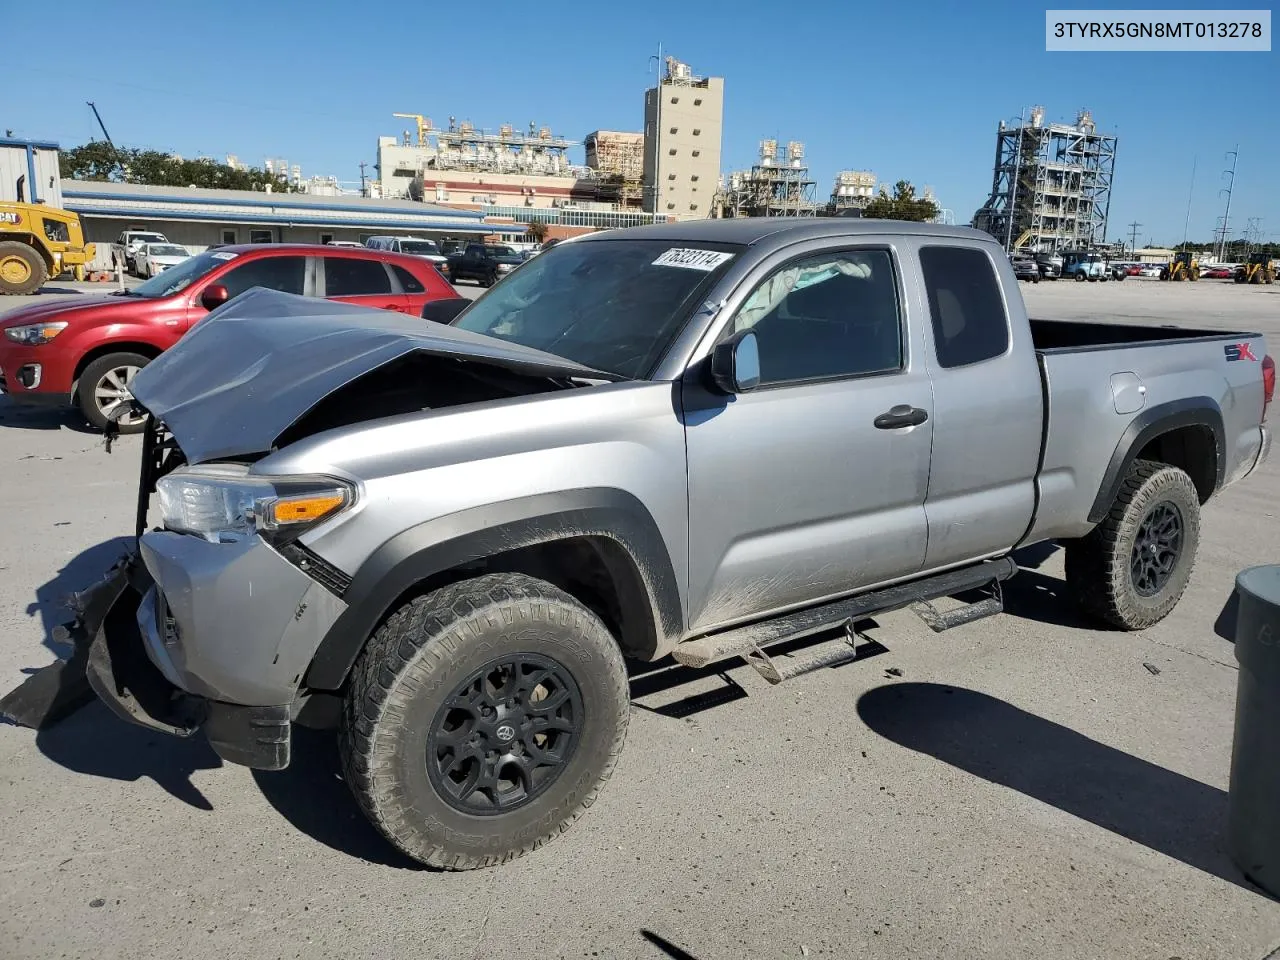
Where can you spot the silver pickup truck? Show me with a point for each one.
(692, 440)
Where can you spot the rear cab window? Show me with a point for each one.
(970, 322)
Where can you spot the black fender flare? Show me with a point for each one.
(410, 557)
(1145, 427)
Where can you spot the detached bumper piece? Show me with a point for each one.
(110, 660)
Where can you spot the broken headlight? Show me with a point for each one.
(227, 504)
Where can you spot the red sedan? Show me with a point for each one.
(87, 350)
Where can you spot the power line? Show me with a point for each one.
(1226, 216)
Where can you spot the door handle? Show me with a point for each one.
(902, 415)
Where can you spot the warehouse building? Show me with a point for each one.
(199, 218)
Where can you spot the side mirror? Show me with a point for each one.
(214, 296)
(735, 363)
(444, 310)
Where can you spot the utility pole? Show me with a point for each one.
(1226, 216)
(1133, 238)
(1186, 225)
(364, 191)
(657, 138)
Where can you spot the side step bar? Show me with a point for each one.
(748, 641)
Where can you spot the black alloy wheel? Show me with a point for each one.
(505, 734)
(1155, 549)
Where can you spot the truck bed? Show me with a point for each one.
(1074, 336)
(1104, 383)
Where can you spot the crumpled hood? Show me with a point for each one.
(247, 371)
(64, 307)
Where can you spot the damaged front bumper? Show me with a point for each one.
(111, 656)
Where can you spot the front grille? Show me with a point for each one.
(317, 568)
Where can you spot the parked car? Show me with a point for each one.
(1117, 271)
(414, 247)
(1219, 273)
(346, 243)
(1050, 265)
(484, 263)
(1024, 268)
(154, 258)
(88, 351)
(462, 536)
(1150, 270)
(125, 249)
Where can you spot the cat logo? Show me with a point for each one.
(8, 216)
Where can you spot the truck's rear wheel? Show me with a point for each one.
(483, 719)
(1133, 567)
(22, 270)
(104, 386)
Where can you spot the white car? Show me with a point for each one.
(414, 247)
(1149, 270)
(155, 258)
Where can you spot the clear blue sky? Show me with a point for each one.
(910, 90)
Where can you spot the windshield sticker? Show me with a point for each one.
(224, 256)
(705, 260)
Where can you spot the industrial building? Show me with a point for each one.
(525, 176)
(618, 161)
(773, 187)
(683, 127)
(852, 190)
(1051, 187)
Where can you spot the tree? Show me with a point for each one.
(538, 230)
(98, 160)
(903, 205)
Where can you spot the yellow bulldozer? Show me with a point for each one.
(1183, 266)
(1259, 269)
(38, 242)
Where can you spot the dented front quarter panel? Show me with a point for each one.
(417, 468)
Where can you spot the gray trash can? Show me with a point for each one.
(1253, 831)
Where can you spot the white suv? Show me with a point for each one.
(414, 247)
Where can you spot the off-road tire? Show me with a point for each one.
(88, 381)
(32, 279)
(413, 664)
(1098, 565)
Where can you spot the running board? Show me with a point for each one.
(754, 637)
(940, 620)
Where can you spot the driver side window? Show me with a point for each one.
(826, 316)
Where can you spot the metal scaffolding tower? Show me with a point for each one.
(1051, 187)
(772, 188)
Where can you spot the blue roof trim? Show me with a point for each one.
(283, 204)
(39, 144)
(420, 224)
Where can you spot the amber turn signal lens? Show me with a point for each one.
(305, 509)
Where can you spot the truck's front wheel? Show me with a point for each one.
(1133, 567)
(483, 719)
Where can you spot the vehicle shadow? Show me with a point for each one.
(313, 796)
(95, 742)
(1165, 811)
(22, 417)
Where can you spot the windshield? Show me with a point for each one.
(182, 276)
(418, 246)
(146, 238)
(165, 250)
(612, 305)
